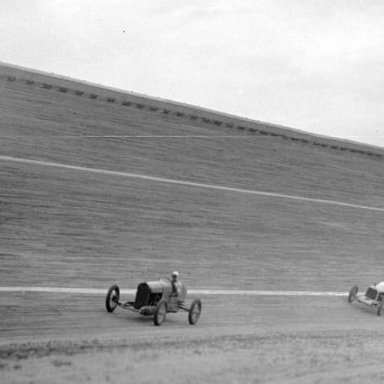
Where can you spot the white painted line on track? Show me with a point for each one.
(188, 183)
(227, 292)
(162, 137)
(265, 293)
(91, 291)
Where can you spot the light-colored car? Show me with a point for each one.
(373, 296)
(156, 298)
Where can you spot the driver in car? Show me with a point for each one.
(176, 285)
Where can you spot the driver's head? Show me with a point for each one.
(175, 275)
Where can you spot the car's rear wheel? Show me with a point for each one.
(353, 293)
(112, 298)
(380, 308)
(160, 312)
(194, 312)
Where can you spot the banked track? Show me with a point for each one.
(82, 231)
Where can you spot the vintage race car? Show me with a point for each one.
(373, 296)
(156, 298)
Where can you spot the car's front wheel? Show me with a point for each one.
(112, 298)
(353, 293)
(160, 312)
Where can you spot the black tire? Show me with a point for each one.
(194, 312)
(380, 308)
(112, 298)
(353, 293)
(160, 312)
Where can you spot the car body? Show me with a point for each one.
(156, 298)
(373, 296)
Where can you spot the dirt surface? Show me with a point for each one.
(238, 339)
(71, 228)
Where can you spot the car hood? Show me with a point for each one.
(380, 287)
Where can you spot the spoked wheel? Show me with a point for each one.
(352, 294)
(160, 312)
(112, 298)
(194, 312)
(380, 308)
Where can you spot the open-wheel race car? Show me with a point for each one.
(373, 296)
(156, 298)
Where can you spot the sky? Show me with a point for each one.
(313, 65)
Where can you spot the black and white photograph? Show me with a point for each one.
(191, 191)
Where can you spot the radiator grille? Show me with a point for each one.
(371, 293)
(143, 295)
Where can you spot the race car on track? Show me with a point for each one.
(156, 298)
(373, 296)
